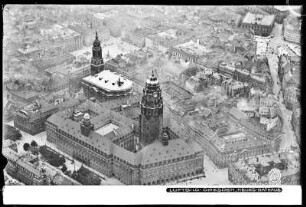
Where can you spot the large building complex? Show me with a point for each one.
(110, 143)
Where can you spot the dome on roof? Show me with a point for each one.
(86, 116)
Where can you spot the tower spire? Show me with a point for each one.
(97, 64)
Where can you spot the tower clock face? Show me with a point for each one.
(154, 95)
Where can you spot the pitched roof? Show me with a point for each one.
(176, 148)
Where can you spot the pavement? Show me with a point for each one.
(272, 56)
(213, 176)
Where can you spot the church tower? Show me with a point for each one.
(151, 117)
(97, 64)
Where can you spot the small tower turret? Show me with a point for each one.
(86, 126)
(165, 139)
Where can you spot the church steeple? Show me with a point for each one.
(151, 117)
(97, 64)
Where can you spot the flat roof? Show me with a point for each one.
(260, 19)
(107, 129)
(108, 81)
(234, 136)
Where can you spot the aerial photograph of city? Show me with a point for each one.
(151, 95)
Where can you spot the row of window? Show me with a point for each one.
(82, 142)
(173, 178)
(165, 162)
(23, 170)
(164, 171)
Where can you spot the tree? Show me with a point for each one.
(26, 146)
(64, 168)
(86, 177)
(51, 157)
(11, 133)
(34, 144)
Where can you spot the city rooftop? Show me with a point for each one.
(260, 19)
(109, 81)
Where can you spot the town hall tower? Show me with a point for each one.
(151, 117)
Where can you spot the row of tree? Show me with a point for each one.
(51, 157)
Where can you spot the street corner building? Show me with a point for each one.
(111, 144)
(262, 25)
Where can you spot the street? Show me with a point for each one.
(288, 138)
(272, 57)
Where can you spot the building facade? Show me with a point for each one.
(22, 170)
(243, 75)
(292, 30)
(296, 123)
(262, 25)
